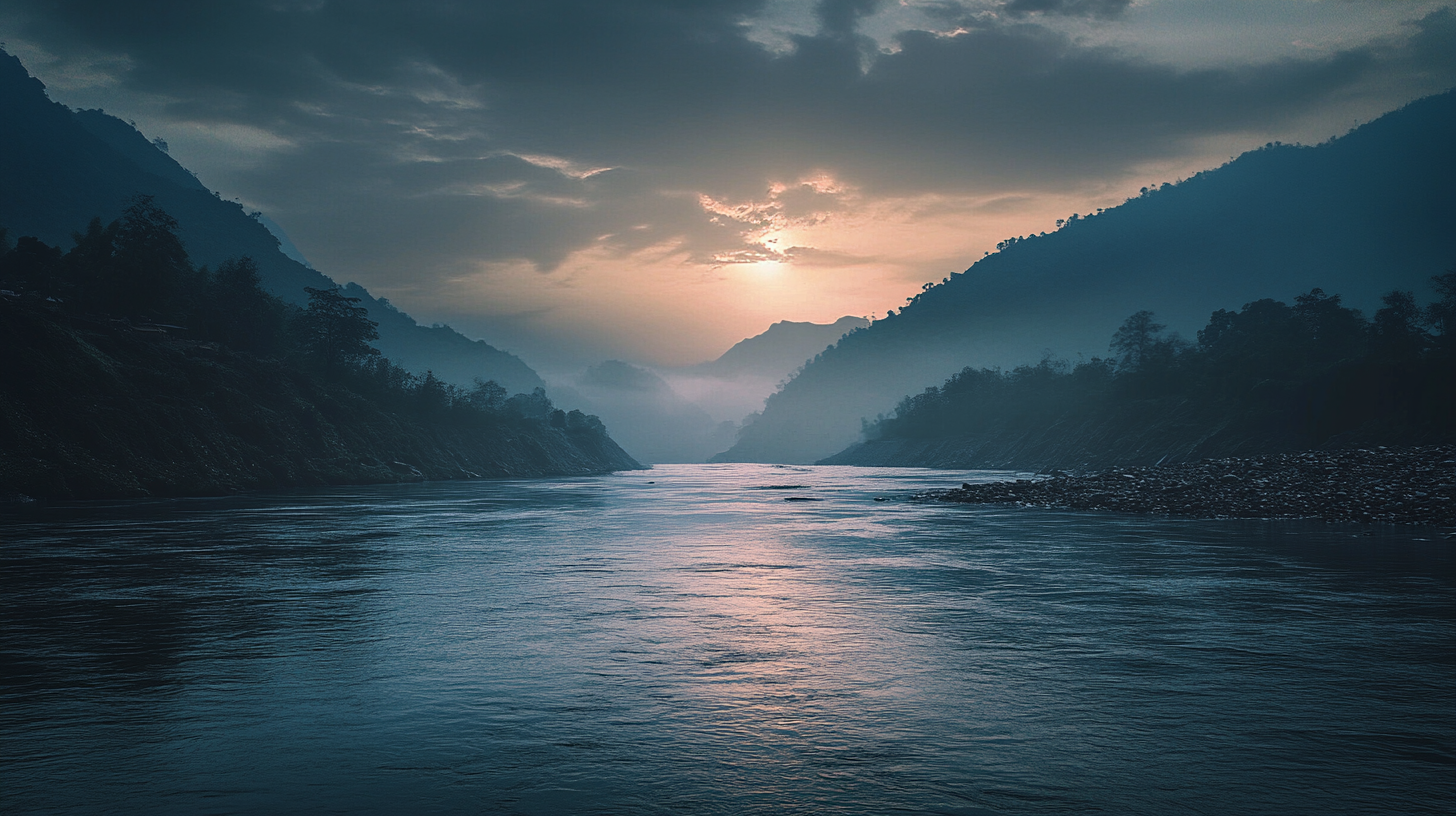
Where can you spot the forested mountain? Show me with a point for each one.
(1361, 215)
(129, 371)
(60, 168)
(1268, 378)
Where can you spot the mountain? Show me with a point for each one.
(687, 414)
(60, 168)
(1359, 215)
(94, 408)
(648, 418)
(736, 384)
(1271, 378)
(780, 351)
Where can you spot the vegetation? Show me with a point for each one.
(1271, 375)
(136, 272)
(1359, 215)
(59, 167)
(131, 372)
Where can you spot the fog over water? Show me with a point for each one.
(686, 640)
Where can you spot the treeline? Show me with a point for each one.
(1296, 376)
(134, 274)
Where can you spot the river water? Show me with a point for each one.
(685, 640)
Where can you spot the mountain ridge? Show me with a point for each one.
(780, 349)
(1358, 215)
(95, 409)
(60, 168)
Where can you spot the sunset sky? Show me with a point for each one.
(652, 181)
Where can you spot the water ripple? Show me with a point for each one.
(683, 640)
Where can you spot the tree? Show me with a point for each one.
(243, 315)
(1441, 315)
(1334, 332)
(1397, 326)
(336, 330)
(89, 263)
(488, 396)
(150, 263)
(31, 265)
(1134, 342)
(432, 394)
(535, 405)
(585, 423)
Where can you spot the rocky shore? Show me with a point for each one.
(1414, 485)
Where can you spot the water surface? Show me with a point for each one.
(684, 640)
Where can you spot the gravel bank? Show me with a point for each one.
(1393, 486)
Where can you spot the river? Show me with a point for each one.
(685, 640)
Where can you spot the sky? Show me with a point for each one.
(654, 180)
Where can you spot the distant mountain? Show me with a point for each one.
(1360, 215)
(285, 244)
(736, 384)
(649, 419)
(781, 350)
(688, 414)
(60, 168)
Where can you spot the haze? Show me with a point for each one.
(653, 181)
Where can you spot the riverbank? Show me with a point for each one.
(1415, 485)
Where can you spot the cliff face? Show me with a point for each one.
(101, 410)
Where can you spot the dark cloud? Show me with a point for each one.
(1069, 8)
(426, 134)
(841, 17)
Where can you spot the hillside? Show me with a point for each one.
(779, 351)
(736, 383)
(1270, 378)
(105, 408)
(1360, 215)
(60, 168)
(648, 418)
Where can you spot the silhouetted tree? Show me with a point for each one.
(230, 306)
(383, 379)
(242, 315)
(578, 422)
(90, 266)
(1334, 332)
(487, 395)
(1301, 375)
(1135, 340)
(1397, 327)
(150, 263)
(337, 330)
(1265, 340)
(31, 265)
(432, 394)
(1441, 315)
(535, 405)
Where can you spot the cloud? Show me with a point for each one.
(413, 141)
(841, 17)
(1069, 8)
